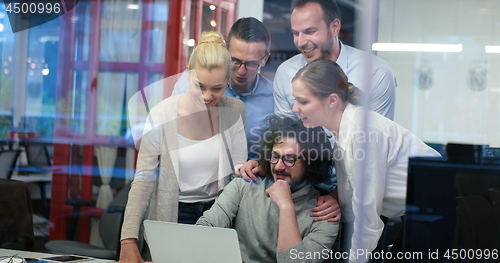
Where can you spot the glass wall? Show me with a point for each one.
(64, 88)
(444, 56)
(7, 75)
(445, 94)
(449, 95)
(28, 78)
(30, 90)
(67, 82)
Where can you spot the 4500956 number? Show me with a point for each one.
(33, 8)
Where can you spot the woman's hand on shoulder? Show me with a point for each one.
(328, 208)
(248, 171)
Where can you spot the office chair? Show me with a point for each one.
(495, 199)
(37, 155)
(8, 159)
(476, 226)
(16, 216)
(109, 229)
(39, 162)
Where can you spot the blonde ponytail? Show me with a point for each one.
(211, 53)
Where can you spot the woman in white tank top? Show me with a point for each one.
(190, 144)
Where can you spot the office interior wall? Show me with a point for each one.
(445, 97)
(247, 8)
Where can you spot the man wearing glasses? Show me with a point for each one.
(249, 43)
(272, 215)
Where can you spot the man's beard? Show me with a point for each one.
(293, 184)
(284, 173)
(327, 49)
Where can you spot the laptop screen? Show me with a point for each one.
(173, 242)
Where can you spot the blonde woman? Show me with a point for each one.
(190, 145)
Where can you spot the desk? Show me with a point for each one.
(32, 178)
(28, 254)
(42, 175)
(450, 206)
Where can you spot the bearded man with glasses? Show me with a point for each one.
(272, 215)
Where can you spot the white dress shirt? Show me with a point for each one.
(372, 166)
(382, 90)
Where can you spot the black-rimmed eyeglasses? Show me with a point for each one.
(249, 65)
(288, 161)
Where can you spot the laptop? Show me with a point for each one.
(181, 243)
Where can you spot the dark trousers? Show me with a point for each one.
(343, 242)
(189, 213)
(398, 244)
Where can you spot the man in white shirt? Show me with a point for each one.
(315, 26)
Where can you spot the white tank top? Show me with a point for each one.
(198, 169)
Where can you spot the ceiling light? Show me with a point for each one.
(416, 47)
(492, 49)
(49, 39)
(133, 6)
